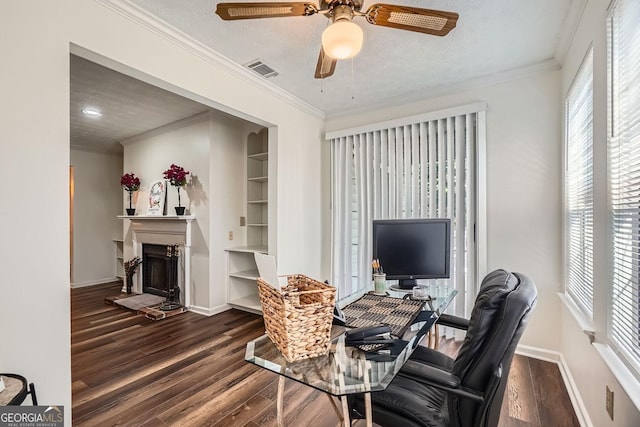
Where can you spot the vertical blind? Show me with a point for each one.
(624, 179)
(424, 169)
(579, 187)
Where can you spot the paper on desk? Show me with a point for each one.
(267, 269)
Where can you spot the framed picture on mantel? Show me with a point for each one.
(157, 198)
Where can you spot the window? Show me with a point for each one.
(579, 187)
(420, 168)
(624, 180)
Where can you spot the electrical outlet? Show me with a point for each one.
(609, 402)
(231, 235)
(243, 220)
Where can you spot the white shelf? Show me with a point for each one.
(246, 274)
(258, 179)
(252, 249)
(251, 302)
(242, 272)
(259, 156)
(159, 217)
(119, 258)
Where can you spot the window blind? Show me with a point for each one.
(579, 187)
(419, 169)
(624, 179)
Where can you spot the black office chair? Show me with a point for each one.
(433, 389)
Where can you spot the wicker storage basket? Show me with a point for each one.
(298, 317)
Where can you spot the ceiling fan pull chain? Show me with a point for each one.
(352, 93)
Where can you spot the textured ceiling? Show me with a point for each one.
(129, 107)
(492, 37)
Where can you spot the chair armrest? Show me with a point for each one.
(453, 321)
(432, 376)
(427, 373)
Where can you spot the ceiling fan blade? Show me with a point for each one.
(427, 21)
(326, 65)
(232, 11)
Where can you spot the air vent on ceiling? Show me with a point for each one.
(261, 68)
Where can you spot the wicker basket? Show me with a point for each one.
(298, 317)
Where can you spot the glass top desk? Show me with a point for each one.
(348, 370)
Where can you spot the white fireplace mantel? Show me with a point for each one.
(163, 229)
(187, 218)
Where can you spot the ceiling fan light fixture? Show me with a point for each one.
(342, 39)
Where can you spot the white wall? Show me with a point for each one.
(523, 184)
(35, 203)
(186, 144)
(228, 186)
(97, 201)
(36, 38)
(587, 368)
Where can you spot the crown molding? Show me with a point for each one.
(568, 31)
(113, 150)
(178, 124)
(438, 91)
(150, 22)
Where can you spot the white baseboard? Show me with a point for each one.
(539, 353)
(569, 383)
(209, 311)
(574, 395)
(95, 282)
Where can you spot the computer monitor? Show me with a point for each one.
(410, 249)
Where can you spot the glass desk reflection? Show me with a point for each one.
(348, 370)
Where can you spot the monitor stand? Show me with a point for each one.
(407, 283)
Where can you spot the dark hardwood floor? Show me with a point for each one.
(189, 370)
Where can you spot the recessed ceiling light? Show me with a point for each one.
(91, 112)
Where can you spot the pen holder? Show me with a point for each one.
(380, 284)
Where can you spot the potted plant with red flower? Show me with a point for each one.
(130, 183)
(177, 177)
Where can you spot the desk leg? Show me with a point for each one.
(336, 409)
(436, 341)
(367, 409)
(279, 401)
(346, 420)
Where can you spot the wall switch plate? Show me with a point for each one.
(243, 221)
(231, 235)
(609, 402)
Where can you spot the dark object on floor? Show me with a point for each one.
(16, 390)
(435, 390)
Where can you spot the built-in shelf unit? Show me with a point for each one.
(241, 267)
(119, 258)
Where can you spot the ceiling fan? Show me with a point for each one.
(343, 39)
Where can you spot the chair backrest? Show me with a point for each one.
(497, 322)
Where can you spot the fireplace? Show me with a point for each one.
(153, 234)
(159, 269)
